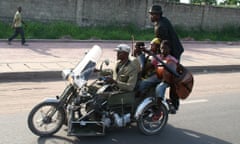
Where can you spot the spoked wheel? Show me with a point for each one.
(153, 119)
(45, 119)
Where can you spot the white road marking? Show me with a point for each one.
(194, 101)
(191, 134)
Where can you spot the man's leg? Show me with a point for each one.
(22, 35)
(174, 98)
(13, 36)
(145, 84)
(160, 90)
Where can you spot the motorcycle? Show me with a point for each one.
(89, 109)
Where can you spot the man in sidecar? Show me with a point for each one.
(125, 73)
(123, 77)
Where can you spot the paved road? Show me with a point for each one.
(45, 59)
(209, 116)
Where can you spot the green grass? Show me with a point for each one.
(57, 30)
(228, 33)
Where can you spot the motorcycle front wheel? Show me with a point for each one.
(153, 119)
(45, 119)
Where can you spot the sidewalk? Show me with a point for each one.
(44, 60)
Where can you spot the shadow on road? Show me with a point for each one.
(56, 140)
(131, 135)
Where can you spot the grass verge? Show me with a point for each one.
(58, 30)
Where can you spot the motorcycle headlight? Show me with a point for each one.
(70, 79)
(79, 81)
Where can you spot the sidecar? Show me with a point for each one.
(112, 109)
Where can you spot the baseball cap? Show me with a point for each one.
(123, 48)
(155, 41)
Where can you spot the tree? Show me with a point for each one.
(231, 2)
(204, 2)
(177, 1)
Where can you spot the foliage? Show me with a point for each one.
(231, 2)
(225, 3)
(207, 2)
(59, 30)
(228, 33)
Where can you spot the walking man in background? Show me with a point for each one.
(18, 26)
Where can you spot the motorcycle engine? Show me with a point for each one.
(116, 120)
(121, 121)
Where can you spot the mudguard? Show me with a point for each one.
(144, 103)
(52, 100)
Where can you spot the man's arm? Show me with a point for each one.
(14, 20)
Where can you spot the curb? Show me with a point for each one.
(56, 75)
(214, 69)
(30, 76)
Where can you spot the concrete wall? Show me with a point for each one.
(119, 12)
(112, 12)
(40, 10)
(206, 17)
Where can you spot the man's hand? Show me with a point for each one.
(96, 70)
(110, 80)
(24, 24)
(138, 50)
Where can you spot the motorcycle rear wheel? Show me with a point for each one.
(153, 119)
(45, 119)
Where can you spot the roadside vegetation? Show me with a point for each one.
(63, 30)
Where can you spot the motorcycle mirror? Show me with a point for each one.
(106, 62)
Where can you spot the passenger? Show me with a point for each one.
(164, 30)
(149, 77)
(167, 79)
(126, 71)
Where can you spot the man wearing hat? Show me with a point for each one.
(126, 71)
(164, 30)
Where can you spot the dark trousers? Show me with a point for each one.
(18, 31)
(174, 98)
(173, 95)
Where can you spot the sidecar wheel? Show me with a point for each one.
(153, 119)
(45, 119)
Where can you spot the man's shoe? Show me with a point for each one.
(24, 44)
(172, 109)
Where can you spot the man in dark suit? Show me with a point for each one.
(164, 30)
